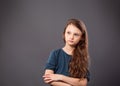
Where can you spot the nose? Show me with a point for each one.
(72, 37)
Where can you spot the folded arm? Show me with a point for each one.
(61, 80)
(53, 82)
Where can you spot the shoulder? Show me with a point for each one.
(56, 51)
(54, 54)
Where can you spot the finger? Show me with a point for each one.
(47, 80)
(46, 76)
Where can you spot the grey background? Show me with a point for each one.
(30, 29)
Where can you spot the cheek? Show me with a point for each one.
(64, 38)
(78, 39)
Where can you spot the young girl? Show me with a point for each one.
(68, 66)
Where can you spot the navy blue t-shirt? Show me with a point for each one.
(58, 61)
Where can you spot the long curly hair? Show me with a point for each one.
(78, 66)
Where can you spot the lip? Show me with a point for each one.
(70, 40)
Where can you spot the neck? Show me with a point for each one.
(68, 49)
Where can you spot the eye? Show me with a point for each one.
(76, 34)
(68, 32)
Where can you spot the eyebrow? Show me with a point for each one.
(75, 33)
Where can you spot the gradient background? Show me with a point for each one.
(30, 29)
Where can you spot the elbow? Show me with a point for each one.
(83, 82)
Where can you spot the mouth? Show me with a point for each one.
(70, 41)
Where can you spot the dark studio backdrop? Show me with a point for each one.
(30, 29)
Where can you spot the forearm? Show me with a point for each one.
(74, 81)
(63, 80)
(59, 83)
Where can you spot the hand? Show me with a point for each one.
(52, 77)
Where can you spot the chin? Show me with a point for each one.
(72, 45)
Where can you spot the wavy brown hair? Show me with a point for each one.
(78, 66)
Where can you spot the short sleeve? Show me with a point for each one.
(88, 76)
(51, 62)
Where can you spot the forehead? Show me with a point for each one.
(73, 28)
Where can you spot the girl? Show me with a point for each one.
(68, 66)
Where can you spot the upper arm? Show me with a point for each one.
(51, 62)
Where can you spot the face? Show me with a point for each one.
(72, 35)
